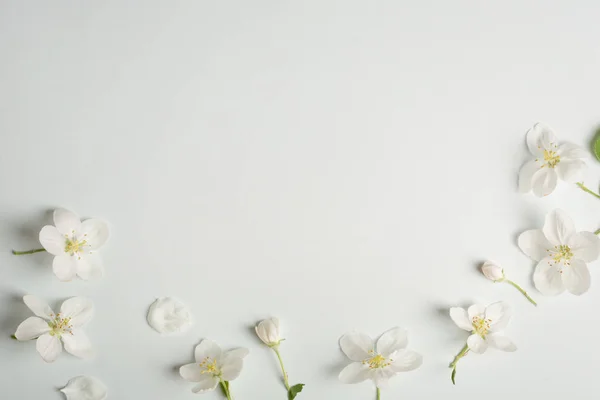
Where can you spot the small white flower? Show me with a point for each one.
(213, 366)
(268, 331)
(49, 328)
(484, 323)
(74, 244)
(492, 271)
(552, 161)
(85, 388)
(562, 254)
(377, 362)
(168, 315)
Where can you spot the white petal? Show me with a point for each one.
(354, 373)
(477, 344)
(206, 384)
(534, 244)
(393, 340)
(49, 347)
(405, 360)
(499, 313)
(38, 306)
(571, 170)
(526, 175)
(268, 331)
(501, 342)
(544, 182)
(381, 376)
(547, 278)
(66, 222)
(52, 240)
(89, 266)
(231, 368)
(31, 328)
(64, 267)
(460, 318)
(94, 232)
(585, 246)
(78, 344)
(539, 138)
(191, 372)
(476, 310)
(85, 388)
(558, 227)
(79, 309)
(240, 353)
(576, 277)
(571, 151)
(168, 315)
(356, 345)
(207, 348)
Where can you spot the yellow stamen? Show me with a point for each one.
(551, 158)
(209, 366)
(377, 361)
(481, 326)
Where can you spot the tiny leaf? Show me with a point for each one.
(13, 337)
(453, 376)
(294, 390)
(596, 146)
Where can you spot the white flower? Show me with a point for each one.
(562, 254)
(484, 323)
(85, 388)
(168, 315)
(268, 331)
(213, 366)
(377, 362)
(492, 271)
(73, 243)
(552, 161)
(50, 328)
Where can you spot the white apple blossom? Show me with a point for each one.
(73, 244)
(85, 388)
(553, 161)
(213, 367)
(485, 325)
(562, 254)
(495, 273)
(50, 329)
(268, 331)
(168, 315)
(377, 361)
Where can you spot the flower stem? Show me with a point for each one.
(520, 289)
(285, 376)
(20, 253)
(225, 387)
(586, 189)
(378, 394)
(460, 355)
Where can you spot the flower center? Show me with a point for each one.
(481, 326)
(209, 366)
(551, 158)
(73, 246)
(377, 361)
(59, 325)
(563, 253)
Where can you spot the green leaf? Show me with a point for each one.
(596, 146)
(294, 390)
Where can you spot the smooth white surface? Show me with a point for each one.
(339, 164)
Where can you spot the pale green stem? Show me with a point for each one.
(520, 289)
(226, 389)
(285, 376)
(586, 189)
(20, 253)
(460, 355)
(378, 394)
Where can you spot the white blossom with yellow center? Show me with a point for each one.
(377, 361)
(561, 253)
(74, 244)
(51, 329)
(484, 323)
(552, 161)
(213, 366)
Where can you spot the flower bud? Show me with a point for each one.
(268, 331)
(492, 271)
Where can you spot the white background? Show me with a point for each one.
(339, 164)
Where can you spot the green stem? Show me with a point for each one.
(20, 253)
(378, 394)
(285, 376)
(463, 352)
(520, 289)
(587, 190)
(225, 386)
(597, 231)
